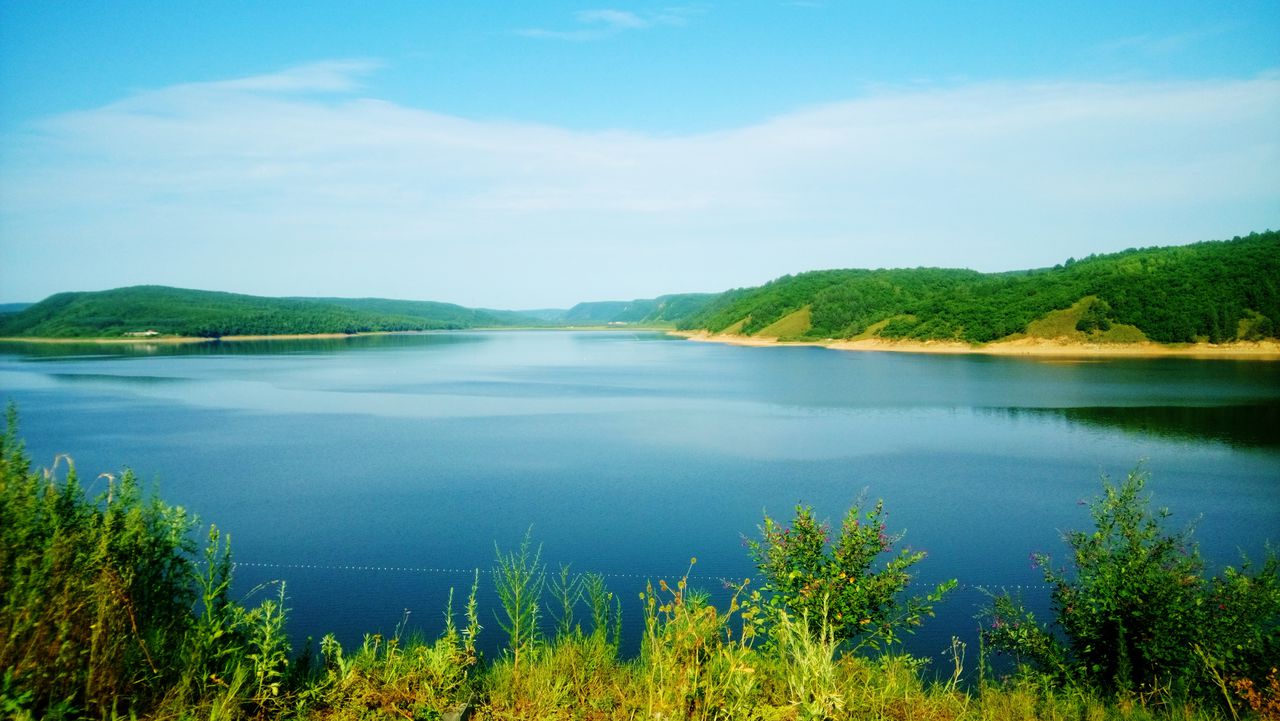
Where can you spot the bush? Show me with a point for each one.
(95, 596)
(104, 609)
(838, 588)
(1137, 613)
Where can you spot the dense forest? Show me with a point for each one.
(1214, 291)
(209, 314)
(663, 310)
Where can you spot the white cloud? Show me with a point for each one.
(1150, 45)
(331, 76)
(292, 184)
(603, 23)
(619, 19)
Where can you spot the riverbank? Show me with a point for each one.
(180, 339)
(1034, 347)
(1037, 347)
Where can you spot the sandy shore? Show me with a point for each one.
(1038, 347)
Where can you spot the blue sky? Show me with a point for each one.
(525, 155)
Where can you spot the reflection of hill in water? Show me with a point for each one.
(277, 346)
(1251, 426)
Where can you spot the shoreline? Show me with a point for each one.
(1268, 350)
(183, 339)
(187, 339)
(1027, 347)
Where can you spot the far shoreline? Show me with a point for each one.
(1268, 350)
(191, 340)
(177, 339)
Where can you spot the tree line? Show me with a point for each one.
(1215, 291)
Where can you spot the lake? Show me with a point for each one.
(373, 473)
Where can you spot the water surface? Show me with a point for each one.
(372, 473)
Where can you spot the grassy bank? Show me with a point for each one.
(111, 610)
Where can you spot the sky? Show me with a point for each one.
(535, 155)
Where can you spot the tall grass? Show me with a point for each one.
(95, 596)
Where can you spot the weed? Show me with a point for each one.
(519, 578)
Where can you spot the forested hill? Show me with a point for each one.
(211, 314)
(1215, 291)
(663, 310)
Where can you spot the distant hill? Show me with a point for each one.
(7, 308)
(1214, 291)
(211, 314)
(455, 315)
(547, 315)
(663, 310)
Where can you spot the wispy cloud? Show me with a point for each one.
(293, 183)
(331, 76)
(1157, 46)
(603, 23)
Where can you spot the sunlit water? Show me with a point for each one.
(372, 474)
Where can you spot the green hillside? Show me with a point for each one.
(211, 314)
(448, 313)
(1213, 291)
(663, 310)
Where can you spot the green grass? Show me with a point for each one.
(789, 327)
(1061, 323)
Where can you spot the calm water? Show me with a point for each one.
(629, 453)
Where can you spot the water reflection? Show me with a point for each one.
(267, 347)
(1244, 426)
(110, 378)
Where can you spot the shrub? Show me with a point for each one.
(1095, 317)
(104, 609)
(95, 596)
(1137, 613)
(837, 586)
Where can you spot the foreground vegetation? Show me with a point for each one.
(1213, 292)
(109, 610)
